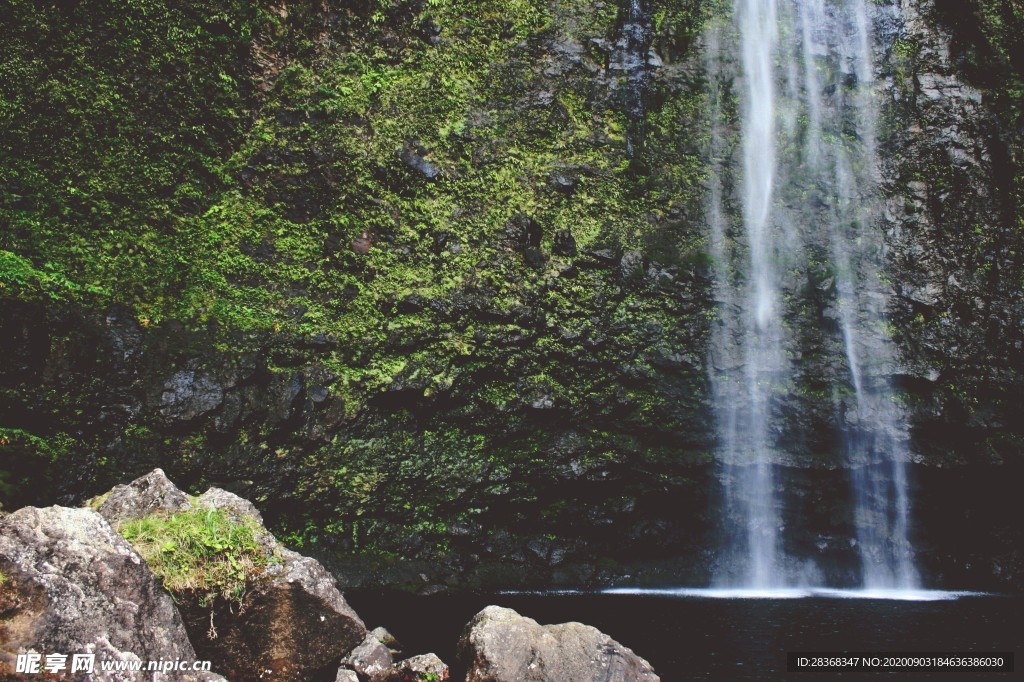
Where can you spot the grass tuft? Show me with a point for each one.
(202, 553)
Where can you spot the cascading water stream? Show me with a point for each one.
(806, 163)
(749, 343)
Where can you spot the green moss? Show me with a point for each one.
(95, 503)
(202, 554)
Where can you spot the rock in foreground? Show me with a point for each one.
(499, 645)
(71, 585)
(371, 660)
(423, 668)
(291, 624)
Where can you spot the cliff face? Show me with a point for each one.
(953, 178)
(953, 181)
(431, 281)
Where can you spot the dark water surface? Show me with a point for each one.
(697, 638)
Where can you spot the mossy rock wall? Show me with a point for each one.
(408, 275)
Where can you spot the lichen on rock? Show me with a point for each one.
(73, 585)
(499, 645)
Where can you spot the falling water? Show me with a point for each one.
(806, 166)
(750, 361)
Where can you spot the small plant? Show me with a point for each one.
(201, 552)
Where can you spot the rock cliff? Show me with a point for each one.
(429, 282)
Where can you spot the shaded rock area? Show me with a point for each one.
(294, 625)
(499, 645)
(73, 585)
(953, 210)
(295, 628)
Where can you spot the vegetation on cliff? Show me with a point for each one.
(956, 144)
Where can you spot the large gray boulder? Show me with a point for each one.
(499, 645)
(293, 625)
(71, 585)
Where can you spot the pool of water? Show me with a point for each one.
(692, 634)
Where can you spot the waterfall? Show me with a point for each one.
(629, 61)
(750, 362)
(793, 195)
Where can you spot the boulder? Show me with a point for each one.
(151, 493)
(238, 507)
(424, 668)
(371, 660)
(294, 624)
(71, 585)
(293, 627)
(499, 645)
(387, 639)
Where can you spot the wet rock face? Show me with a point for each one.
(631, 57)
(951, 233)
(499, 645)
(414, 156)
(541, 302)
(622, 333)
(73, 585)
(189, 394)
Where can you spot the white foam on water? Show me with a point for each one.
(712, 592)
(794, 593)
(898, 595)
(546, 593)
